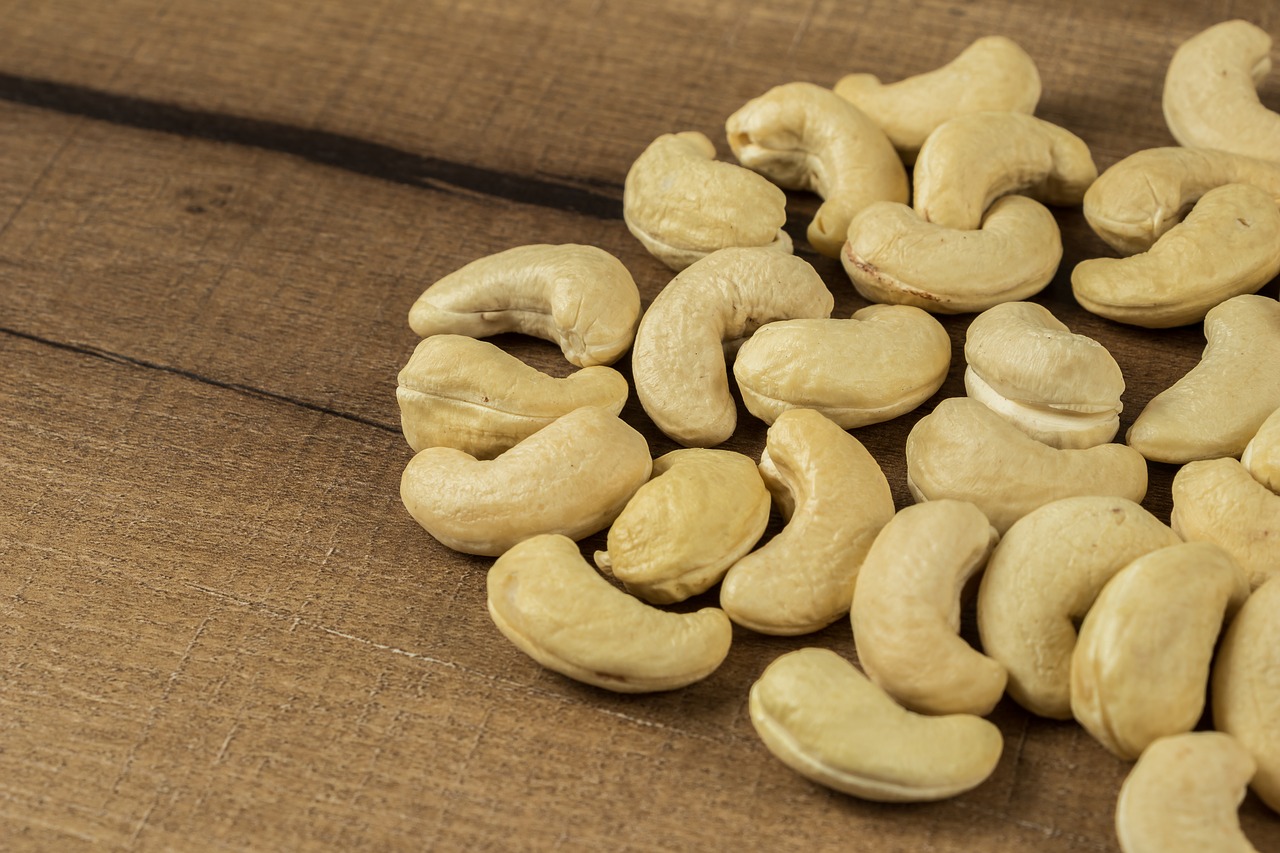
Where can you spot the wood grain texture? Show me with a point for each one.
(220, 629)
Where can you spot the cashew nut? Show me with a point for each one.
(573, 477)
(681, 531)
(973, 159)
(1141, 663)
(678, 363)
(1042, 579)
(993, 73)
(895, 256)
(682, 203)
(835, 499)
(951, 453)
(906, 610)
(805, 137)
(1183, 796)
(580, 297)
(1210, 91)
(469, 394)
(546, 598)
(1229, 244)
(1221, 402)
(1026, 365)
(1262, 454)
(828, 722)
(1219, 501)
(881, 363)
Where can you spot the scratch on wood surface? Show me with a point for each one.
(1044, 829)
(1017, 760)
(226, 742)
(27, 818)
(142, 824)
(801, 29)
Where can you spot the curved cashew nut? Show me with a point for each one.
(1210, 91)
(682, 530)
(464, 393)
(546, 598)
(1141, 663)
(1228, 245)
(1027, 366)
(950, 453)
(1183, 796)
(683, 204)
(678, 362)
(580, 297)
(993, 73)
(805, 137)
(881, 363)
(1219, 501)
(1262, 454)
(895, 256)
(1044, 576)
(828, 722)
(835, 499)
(906, 610)
(571, 477)
(1221, 402)
(974, 159)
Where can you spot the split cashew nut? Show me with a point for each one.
(1219, 501)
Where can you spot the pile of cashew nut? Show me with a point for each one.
(1088, 606)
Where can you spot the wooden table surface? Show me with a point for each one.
(220, 629)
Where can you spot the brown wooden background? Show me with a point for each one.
(218, 627)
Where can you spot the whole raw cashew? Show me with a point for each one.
(1141, 665)
(1219, 501)
(678, 364)
(1042, 579)
(1210, 91)
(906, 610)
(681, 531)
(993, 73)
(881, 363)
(1027, 366)
(1183, 796)
(580, 297)
(950, 454)
(1246, 686)
(895, 256)
(805, 137)
(1228, 245)
(1262, 454)
(571, 477)
(682, 203)
(974, 159)
(468, 394)
(828, 722)
(1221, 402)
(551, 603)
(835, 499)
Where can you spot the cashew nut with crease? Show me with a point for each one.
(1262, 454)
(1219, 501)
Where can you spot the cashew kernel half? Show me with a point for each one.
(1219, 501)
(1262, 454)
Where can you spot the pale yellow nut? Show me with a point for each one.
(678, 364)
(1027, 366)
(681, 203)
(681, 531)
(1262, 454)
(468, 394)
(1210, 91)
(906, 610)
(973, 159)
(549, 601)
(1183, 796)
(828, 722)
(993, 73)
(1220, 403)
(1246, 686)
(1219, 501)
(1228, 245)
(1141, 664)
(804, 137)
(835, 499)
(895, 256)
(881, 363)
(580, 297)
(572, 477)
(964, 451)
